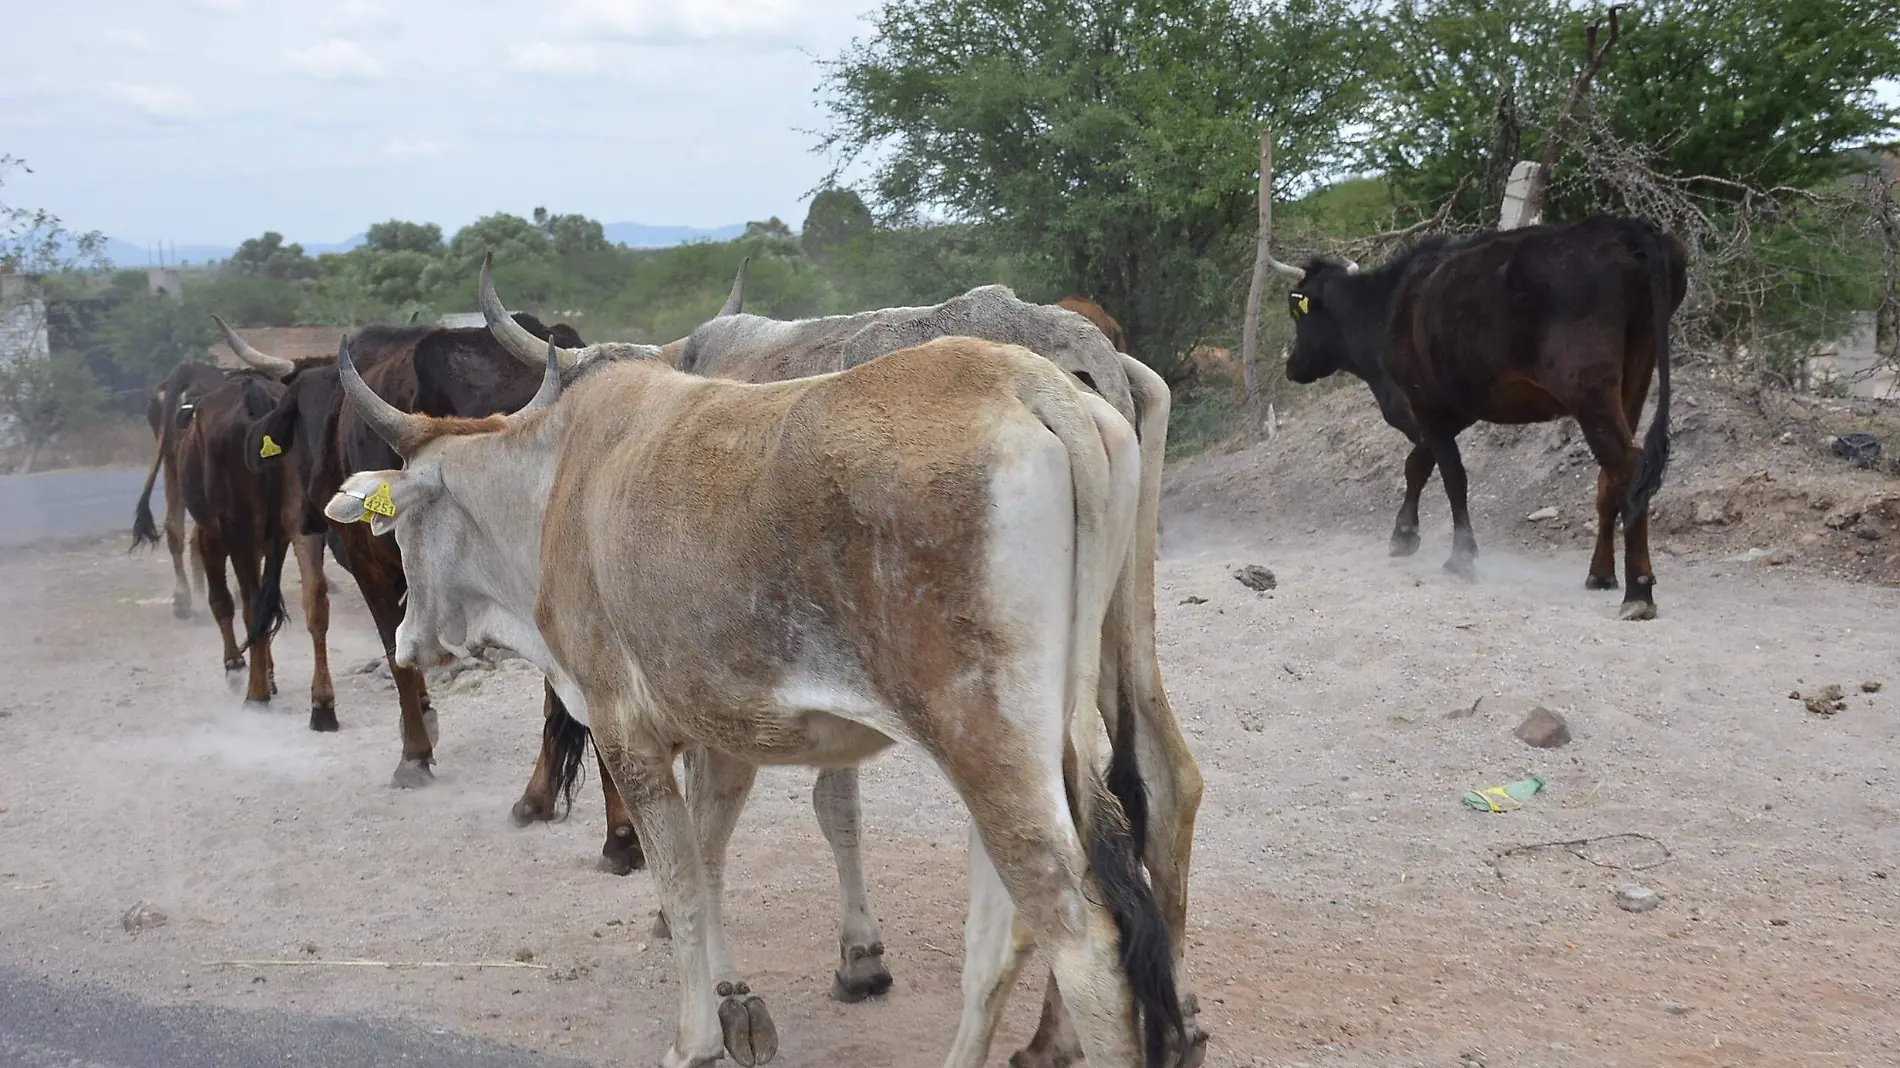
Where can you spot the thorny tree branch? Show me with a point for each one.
(1593, 58)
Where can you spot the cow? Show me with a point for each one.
(1094, 313)
(169, 403)
(921, 549)
(1518, 326)
(751, 348)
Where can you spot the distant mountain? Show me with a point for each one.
(127, 254)
(640, 235)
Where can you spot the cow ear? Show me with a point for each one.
(376, 498)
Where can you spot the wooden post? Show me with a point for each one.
(1250, 326)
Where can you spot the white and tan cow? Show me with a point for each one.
(751, 348)
(922, 549)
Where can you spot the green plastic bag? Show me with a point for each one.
(1511, 795)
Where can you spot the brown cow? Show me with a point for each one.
(1103, 321)
(167, 407)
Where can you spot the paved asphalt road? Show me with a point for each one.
(71, 504)
(47, 1026)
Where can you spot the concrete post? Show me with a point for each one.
(1525, 177)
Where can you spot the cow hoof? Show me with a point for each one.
(751, 1037)
(411, 775)
(323, 716)
(181, 606)
(253, 704)
(861, 974)
(1638, 610)
(236, 663)
(1598, 582)
(1187, 1050)
(622, 855)
(530, 810)
(661, 929)
(1463, 567)
(1049, 1056)
(1403, 544)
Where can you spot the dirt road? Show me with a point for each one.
(1348, 909)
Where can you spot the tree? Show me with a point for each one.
(836, 218)
(1113, 143)
(398, 236)
(42, 392)
(773, 228)
(518, 245)
(572, 235)
(269, 257)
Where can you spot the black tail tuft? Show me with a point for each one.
(1655, 457)
(1147, 950)
(566, 739)
(268, 614)
(1124, 770)
(144, 526)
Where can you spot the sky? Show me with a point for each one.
(211, 121)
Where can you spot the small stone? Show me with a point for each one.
(524, 955)
(1543, 729)
(1677, 1008)
(1548, 512)
(1709, 512)
(1821, 706)
(1794, 695)
(310, 949)
(1868, 530)
(1632, 897)
(1870, 687)
(1193, 600)
(142, 917)
(1257, 578)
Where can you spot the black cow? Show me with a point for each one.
(439, 372)
(1520, 326)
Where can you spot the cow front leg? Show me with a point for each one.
(716, 789)
(211, 556)
(646, 779)
(1464, 542)
(418, 734)
(1418, 470)
(316, 620)
(861, 972)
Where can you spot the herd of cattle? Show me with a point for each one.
(801, 542)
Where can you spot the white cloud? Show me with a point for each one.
(159, 103)
(405, 148)
(703, 19)
(335, 59)
(560, 61)
(134, 40)
(355, 13)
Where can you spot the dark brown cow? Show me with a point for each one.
(238, 515)
(1103, 321)
(167, 406)
(438, 372)
(1522, 326)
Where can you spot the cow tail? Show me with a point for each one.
(268, 614)
(1655, 457)
(565, 739)
(144, 526)
(1105, 473)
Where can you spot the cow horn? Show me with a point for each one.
(1351, 267)
(736, 299)
(274, 366)
(1284, 268)
(404, 431)
(550, 390)
(514, 337)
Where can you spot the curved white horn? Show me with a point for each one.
(404, 431)
(1284, 268)
(514, 337)
(736, 299)
(274, 366)
(550, 390)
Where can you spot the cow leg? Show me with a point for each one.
(1614, 446)
(211, 556)
(245, 563)
(621, 853)
(861, 972)
(175, 542)
(1451, 467)
(418, 735)
(536, 804)
(646, 779)
(995, 945)
(316, 619)
(1418, 470)
(1602, 574)
(717, 786)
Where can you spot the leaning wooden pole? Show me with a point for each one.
(1250, 327)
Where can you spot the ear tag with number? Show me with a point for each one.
(378, 503)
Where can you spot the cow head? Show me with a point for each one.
(469, 537)
(1319, 307)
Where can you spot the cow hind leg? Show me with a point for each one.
(211, 556)
(1464, 541)
(716, 790)
(316, 619)
(1614, 446)
(621, 853)
(861, 972)
(1418, 470)
(995, 944)
(175, 544)
(1602, 574)
(258, 690)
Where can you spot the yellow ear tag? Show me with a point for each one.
(270, 448)
(378, 503)
(1305, 304)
